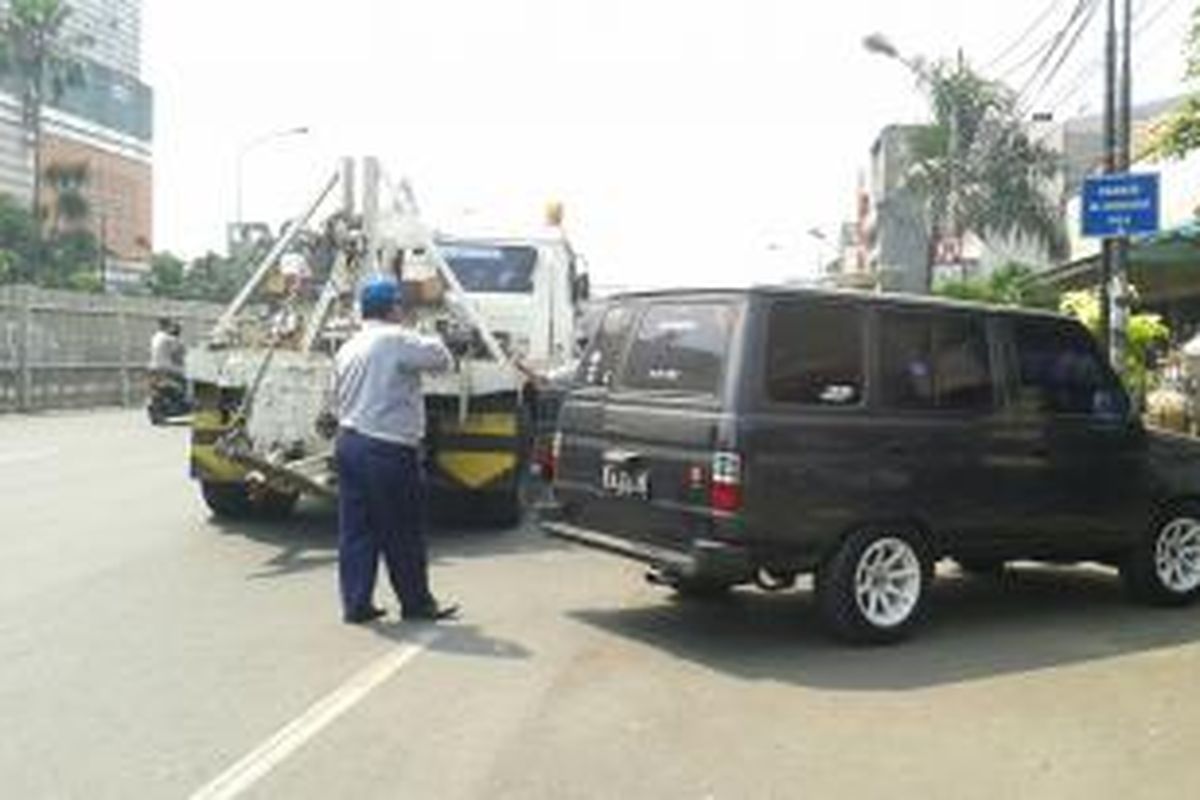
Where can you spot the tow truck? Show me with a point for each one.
(507, 305)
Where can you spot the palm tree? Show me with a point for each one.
(37, 50)
(975, 168)
(67, 181)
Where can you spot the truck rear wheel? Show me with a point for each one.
(236, 501)
(503, 509)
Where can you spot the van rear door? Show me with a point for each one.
(662, 458)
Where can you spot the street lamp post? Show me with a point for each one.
(250, 145)
(822, 241)
(881, 45)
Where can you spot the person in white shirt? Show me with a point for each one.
(166, 350)
(381, 486)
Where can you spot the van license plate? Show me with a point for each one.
(625, 483)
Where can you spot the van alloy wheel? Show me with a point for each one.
(1177, 555)
(874, 588)
(887, 583)
(1163, 567)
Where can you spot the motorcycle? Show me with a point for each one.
(168, 398)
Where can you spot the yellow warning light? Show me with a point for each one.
(555, 213)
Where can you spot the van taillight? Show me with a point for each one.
(725, 486)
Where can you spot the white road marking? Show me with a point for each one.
(290, 738)
(28, 455)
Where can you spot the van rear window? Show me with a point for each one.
(681, 348)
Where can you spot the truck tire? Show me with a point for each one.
(235, 501)
(226, 500)
(273, 504)
(1163, 567)
(874, 589)
(504, 508)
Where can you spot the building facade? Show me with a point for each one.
(102, 129)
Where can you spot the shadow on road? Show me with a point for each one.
(1034, 618)
(457, 639)
(307, 539)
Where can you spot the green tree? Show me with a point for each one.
(1178, 133)
(975, 167)
(1145, 332)
(1011, 285)
(67, 182)
(167, 276)
(64, 260)
(19, 241)
(71, 260)
(37, 50)
(215, 278)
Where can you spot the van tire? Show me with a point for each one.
(1154, 570)
(874, 589)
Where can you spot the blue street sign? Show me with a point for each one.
(1124, 204)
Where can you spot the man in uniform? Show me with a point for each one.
(381, 491)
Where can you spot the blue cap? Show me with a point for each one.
(378, 295)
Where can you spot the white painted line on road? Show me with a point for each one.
(274, 751)
(28, 455)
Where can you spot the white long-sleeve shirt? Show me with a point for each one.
(377, 377)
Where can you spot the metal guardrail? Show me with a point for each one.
(63, 349)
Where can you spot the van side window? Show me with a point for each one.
(598, 364)
(962, 372)
(935, 361)
(1060, 370)
(815, 353)
(681, 348)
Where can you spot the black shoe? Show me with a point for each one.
(363, 615)
(430, 613)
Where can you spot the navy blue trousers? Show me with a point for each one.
(381, 511)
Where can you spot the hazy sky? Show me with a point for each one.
(692, 142)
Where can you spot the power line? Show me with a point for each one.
(1067, 51)
(1029, 59)
(1025, 34)
(1084, 75)
(1059, 37)
(1044, 51)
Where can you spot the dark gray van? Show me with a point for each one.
(734, 437)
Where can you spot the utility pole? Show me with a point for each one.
(1118, 134)
(1120, 288)
(1108, 246)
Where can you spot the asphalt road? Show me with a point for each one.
(145, 650)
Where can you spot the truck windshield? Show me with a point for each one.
(488, 268)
